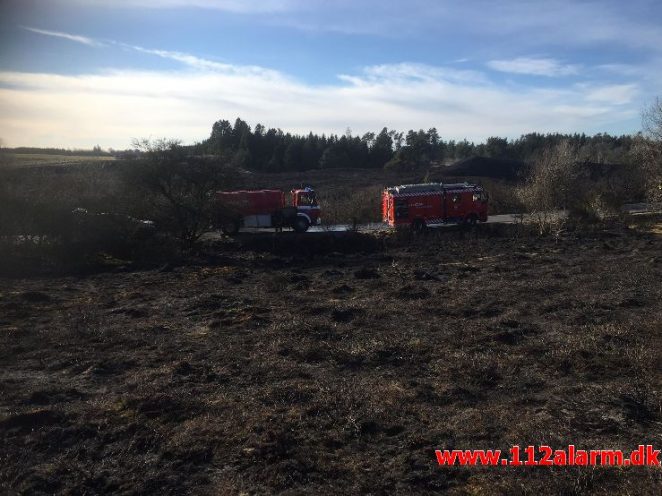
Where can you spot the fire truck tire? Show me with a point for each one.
(230, 227)
(300, 224)
(418, 225)
(277, 219)
(471, 220)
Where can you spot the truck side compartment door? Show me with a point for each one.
(401, 208)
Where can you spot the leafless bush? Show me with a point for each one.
(60, 216)
(550, 187)
(648, 149)
(178, 189)
(562, 188)
(65, 217)
(5, 158)
(351, 206)
(33, 208)
(504, 198)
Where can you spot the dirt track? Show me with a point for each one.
(259, 373)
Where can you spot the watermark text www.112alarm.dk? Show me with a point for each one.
(534, 456)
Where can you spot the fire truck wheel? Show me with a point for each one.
(418, 225)
(471, 220)
(230, 227)
(277, 219)
(301, 224)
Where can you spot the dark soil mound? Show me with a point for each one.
(494, 168)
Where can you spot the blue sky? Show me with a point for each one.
(76, 73)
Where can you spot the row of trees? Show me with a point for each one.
(96, 151)
(273, 150)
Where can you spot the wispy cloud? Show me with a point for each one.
(534, 67)
(203, 64)
(627, 70)
(67, 36)
(614, 94)
(47, 109)
(412, 72)
(186, 59)
(237, 6)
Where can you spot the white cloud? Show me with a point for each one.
(184, 58)
(421, 72)
(534, 66)
(627, 70)
(615, 94)
(181, 57)
(187, 59)
(236, 6)
(113, 107)
(203, 64)
(67, 36)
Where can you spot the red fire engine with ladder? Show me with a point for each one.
(266, 208)
(421, 205)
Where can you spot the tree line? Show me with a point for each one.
(272, 150)
(96, 151)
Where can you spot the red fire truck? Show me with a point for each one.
(266, 208)
(421, 205)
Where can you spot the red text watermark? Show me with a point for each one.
(533, 456)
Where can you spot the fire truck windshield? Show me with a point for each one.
(307, 199)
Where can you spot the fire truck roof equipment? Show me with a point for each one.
(427, 188)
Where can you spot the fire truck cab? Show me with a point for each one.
(305, 201)
(266, 208)
(429, 204)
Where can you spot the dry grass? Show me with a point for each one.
(32, 159)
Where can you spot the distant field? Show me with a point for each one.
(46, 159)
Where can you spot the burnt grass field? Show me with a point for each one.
(337, 364)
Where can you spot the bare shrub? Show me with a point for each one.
(178, 189)
(504, 198)
(648, 150)
(550, 187)
(351, 206)
(562, 187)
(6, 159)
(620, 184)
(66, 217)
